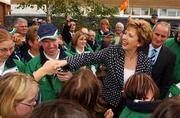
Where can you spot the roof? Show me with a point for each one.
(6, 1)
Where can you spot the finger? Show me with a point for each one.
(62, 78)
(60, 73)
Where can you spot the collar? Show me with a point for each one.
(151, 48)
(74, 51)
(79, 51)
(72, 33)
(30, 54)
(101, 32)
(143, 106)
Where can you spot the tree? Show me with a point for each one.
(76, 8)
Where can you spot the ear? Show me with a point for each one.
(139, 44)
(30, 43)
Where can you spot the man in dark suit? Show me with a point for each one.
(163, 59)
(69, 30)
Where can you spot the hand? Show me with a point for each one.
(102, 67)
(64, 76)
(106, 29)
(62, 63)
(68, 18)
(18, 39)
(109, 114)
(50, 67)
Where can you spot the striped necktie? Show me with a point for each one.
(153, 55)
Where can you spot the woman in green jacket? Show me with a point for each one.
(79, 45)
(9, 61)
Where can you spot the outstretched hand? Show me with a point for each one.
(18, 39)
(109, 114)
(50, 67)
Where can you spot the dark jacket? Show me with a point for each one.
(66, 35)
(162, 70)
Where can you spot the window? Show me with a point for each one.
(171, 12)
(144, 11)
(136, 11)
(163, 12)
(153, 11)
(178, 12)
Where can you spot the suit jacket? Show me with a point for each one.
(162, 70)
(66, 35)
(113, 58)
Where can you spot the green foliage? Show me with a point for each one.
(96, 8)
(75, 8)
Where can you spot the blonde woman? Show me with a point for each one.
(18, 95)
(104, 28)
(79, 46)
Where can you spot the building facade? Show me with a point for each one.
(144, 8)
(4, 10)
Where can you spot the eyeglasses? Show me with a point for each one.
(33, 103)
(29, 105)
(7, 49)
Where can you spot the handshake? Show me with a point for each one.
(53, 67)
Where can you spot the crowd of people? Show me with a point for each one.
(130, 72)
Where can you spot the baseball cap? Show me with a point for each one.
(48, 30)
(106, 34)
(154, 16)
(72, 19)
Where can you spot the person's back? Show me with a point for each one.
(169, 108)
(60, 109)
(83, 88)
(174, 45)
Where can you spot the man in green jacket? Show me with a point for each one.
(174, 45)
(44, 67)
